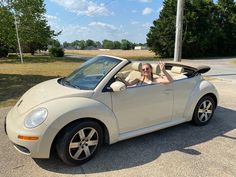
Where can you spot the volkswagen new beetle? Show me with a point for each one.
(75, 115)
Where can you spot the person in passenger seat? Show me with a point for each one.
(147, 76)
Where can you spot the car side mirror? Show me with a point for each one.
(118, 86)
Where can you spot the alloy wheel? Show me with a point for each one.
(84, 143)
(205, 111)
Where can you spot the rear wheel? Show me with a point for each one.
(79, 143)
(204, 110)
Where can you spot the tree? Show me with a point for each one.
(82, 44)
(90, 42)
(98, 44)
(34, 32)
(227, 23)
(66, 44)
(161, 36)
(107, 44)
(54, 43)
(126, 45)
(209, 29)
(117, 45)
(7, 31)
(200, 29)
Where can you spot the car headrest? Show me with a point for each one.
(137, 66)
(177, 69)
(156, 69)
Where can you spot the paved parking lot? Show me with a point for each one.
(183, 150)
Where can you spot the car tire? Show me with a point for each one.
(204, 110)
(79, 142)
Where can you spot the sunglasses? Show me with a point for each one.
(145, 69)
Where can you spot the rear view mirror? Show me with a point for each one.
(118, 86)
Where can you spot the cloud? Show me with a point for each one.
(83, 7)
(54, 22)
(76, 29)
(101, 31)
(103, 26)
(97, 31)
(51, 17)
(145, 1)
(73, 32)
(147, 11)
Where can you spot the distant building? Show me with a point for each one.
(104, 49)
(73, 48)
(140, 48)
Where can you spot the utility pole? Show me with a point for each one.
(179, 31)
(18, 40)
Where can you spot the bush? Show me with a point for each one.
(56, 52)
(3, 52)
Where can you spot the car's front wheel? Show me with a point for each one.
(79, 142)
(204, 110)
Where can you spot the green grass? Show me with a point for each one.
(17, 78)
(13, 86)
(27, 58)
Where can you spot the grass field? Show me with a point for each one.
(129, 54)
(17, 78)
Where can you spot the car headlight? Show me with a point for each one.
(36, 117)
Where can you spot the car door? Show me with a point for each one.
(182, 92)
(143, 106)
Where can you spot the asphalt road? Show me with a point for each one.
(183, 150)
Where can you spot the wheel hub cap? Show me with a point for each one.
(205, 111)
(83, 143)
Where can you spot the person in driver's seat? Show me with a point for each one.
(147, 76)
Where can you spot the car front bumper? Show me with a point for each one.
(14, 126)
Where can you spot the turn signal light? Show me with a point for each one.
(27, 137)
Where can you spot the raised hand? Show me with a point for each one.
(162, 65)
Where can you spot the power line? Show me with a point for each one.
(96, 10)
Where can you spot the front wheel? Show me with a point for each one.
(78, 143)
(204, 110)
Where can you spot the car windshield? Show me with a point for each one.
(89, 74)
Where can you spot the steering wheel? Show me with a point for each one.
(120, 77)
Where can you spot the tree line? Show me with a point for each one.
(124, 44)
(209, 29)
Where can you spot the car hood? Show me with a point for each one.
(48, 91)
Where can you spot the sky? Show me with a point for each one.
(102, 19)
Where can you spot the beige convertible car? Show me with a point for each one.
(77, 114)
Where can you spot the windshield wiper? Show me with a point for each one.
(68, 83)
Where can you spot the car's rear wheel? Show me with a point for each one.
(78, 143)
(204, 110)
